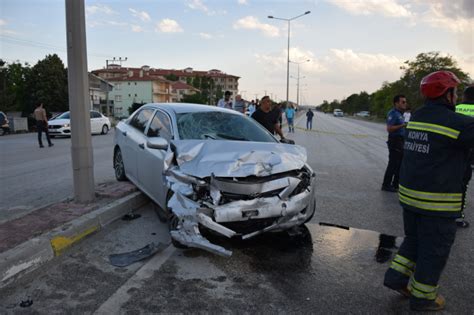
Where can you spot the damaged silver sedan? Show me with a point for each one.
(214, 169)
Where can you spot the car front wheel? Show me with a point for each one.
(118, 166)
(105, 129)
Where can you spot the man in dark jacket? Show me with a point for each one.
(430, 191)
(396, 131)
(466, 108)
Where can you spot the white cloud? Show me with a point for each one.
(205, 35)
(100, 8)
(142, 15)
(3, 30)
(342, 69)
(137, 28)
(252, 23)
(388, 8)
(200, 6)
(168, 26)
(243, 2)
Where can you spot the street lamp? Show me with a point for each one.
(288, 59)
(298, 81)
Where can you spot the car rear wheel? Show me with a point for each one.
(118, 166)
(105, 129)
(2, 132)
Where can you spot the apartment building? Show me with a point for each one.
(146, 84)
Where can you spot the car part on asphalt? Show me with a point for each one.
(128, 258)
(131, 216)
(26, 303)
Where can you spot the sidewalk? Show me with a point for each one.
(30, 241)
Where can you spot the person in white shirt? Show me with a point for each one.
(226, 101)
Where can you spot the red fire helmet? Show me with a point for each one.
(437, 83)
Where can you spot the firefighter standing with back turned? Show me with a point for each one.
(466, 108)
(437, 141)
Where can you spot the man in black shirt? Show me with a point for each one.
(267, 117)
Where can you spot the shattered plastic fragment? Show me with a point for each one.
(126, 259)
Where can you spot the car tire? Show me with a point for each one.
(118, 166)
(105, 129)
(2, 132)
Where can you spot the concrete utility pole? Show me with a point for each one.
(78, 85)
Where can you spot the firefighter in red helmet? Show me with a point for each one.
(437, 143)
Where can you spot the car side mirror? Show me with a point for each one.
(287, 141)
(157, 143)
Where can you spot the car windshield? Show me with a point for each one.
(222, 126)
(63, 116)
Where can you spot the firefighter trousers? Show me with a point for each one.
(422, 255)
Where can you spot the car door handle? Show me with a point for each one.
(142, 146)
(124, 133)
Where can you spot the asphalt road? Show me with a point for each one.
(31, 177)
(321, 270)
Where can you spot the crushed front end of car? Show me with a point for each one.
(236, 189)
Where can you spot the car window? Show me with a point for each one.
(140, 120)
(95, 115)
(63, 116)
(222, 126)
(160, 126)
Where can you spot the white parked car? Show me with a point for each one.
(214, 168)
(338, 113)
(363, 113)
(61, 125)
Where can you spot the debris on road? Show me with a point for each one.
(128, 258)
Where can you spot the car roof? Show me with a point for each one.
(179, 108)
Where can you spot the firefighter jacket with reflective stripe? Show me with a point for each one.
(467, 109)
(437, 143)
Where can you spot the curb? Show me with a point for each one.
(37, 251)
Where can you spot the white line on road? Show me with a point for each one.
(121, 296)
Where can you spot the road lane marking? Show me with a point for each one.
(121, 296)
(340, 133)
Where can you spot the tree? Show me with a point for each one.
(424, 64)
(13, 85)
(134, 107)
(47, 84)
(196, 98)
(171, 77)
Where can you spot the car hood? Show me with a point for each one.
(223, 158)
(59, 121)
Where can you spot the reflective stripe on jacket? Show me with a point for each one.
(437, 141)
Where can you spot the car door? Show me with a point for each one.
(94, 121)
(151, 161)
(133, 137)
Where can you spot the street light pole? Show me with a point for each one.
(298, 81)
(288, 54)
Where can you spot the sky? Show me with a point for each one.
(351, 45)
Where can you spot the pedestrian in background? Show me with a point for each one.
(396, 131)
(309, 119)
(226, 101)
(290, 115)
(42, 125)
(239, 104)
(466, 108)
(430, 191)
(251, 108)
